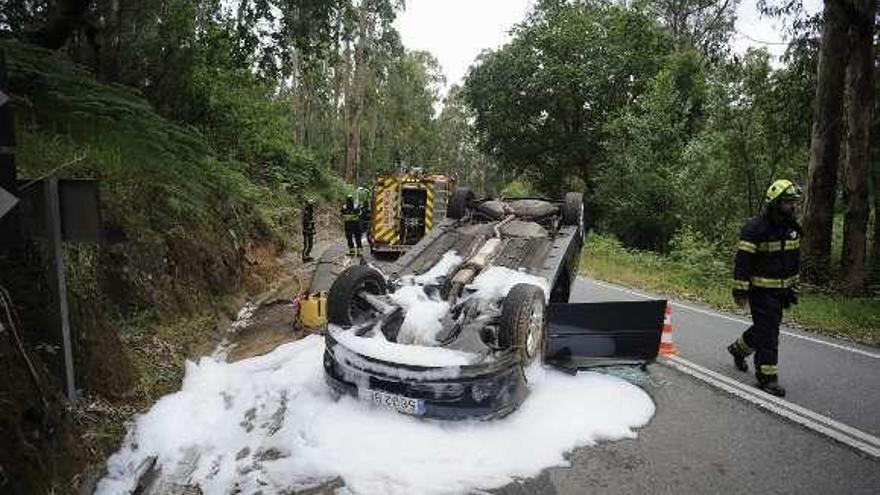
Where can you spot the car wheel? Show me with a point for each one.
(573, 210)
(461, 200)
(523, 321)
(345, 303)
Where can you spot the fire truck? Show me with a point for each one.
(405, 207)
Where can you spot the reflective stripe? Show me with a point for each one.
(744, 348)
(741, 284)
(770, 247)
(429, 206)
(387, 209)
(747, 246)
(775, 283)
(382, 234)
(769, 369)
(775, 246)
(350, 217)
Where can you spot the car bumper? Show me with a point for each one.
(468, 392)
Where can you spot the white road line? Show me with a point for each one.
(739, 320)
(845, 434)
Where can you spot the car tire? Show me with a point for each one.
(573, 209)
(460, 202)
(523, 321)
(344, 307)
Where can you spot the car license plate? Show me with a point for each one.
(392, 401)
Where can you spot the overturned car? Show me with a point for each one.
(447, 330)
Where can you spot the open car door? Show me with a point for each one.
(585, 335)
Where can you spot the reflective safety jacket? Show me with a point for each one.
(350, 215)
(768, 255)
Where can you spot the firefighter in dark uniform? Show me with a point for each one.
(365, 222)
(352, 221)
(766, 277)
(365, 213)
(308, 230)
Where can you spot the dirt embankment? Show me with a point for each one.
(127, 361)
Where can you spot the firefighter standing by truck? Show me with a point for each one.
(364, 209)
(766, 278)
(352, 221)
(308, 230)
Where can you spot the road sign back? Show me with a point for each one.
(7, 201)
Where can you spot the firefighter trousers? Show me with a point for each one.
(308, 244)
(353, 236)
(763, 336)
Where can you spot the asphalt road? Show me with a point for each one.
(833, 378)
(705, 440)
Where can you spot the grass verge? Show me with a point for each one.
(851, 318)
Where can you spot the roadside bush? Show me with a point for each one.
(518, 189)
(707, 260)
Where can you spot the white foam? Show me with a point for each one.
(242, 319)
(417, 337)
(421, 323)
(447, 263)
(380, 348)
(276, 407)
(495, 282)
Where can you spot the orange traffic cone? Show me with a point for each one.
(667, 346)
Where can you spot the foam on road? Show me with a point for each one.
(270, 423)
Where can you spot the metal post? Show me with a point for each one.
(53, 225)
(10, 234)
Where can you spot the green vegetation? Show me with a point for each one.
(517, 189)
(208, 122)
(180, 214)
(205, 137)
(183, 211)
(659, 128)
(540, 101)
(693, 271)
(675, 140)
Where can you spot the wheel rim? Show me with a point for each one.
(536, 326)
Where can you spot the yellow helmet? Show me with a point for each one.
(782, 189)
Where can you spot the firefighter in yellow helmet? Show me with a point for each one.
(766, 278)
(352, 223)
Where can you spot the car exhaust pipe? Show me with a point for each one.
(476, 263)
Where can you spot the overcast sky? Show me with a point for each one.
(456, 31)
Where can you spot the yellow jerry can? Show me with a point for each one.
(313, 310)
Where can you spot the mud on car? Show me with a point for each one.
(448, 329)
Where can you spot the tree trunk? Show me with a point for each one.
(874, 171)
(63, 20)
(355, 97)
(875, 250)
(825, 146)
(859, 96)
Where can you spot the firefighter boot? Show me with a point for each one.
(740, 351)
(770, 384)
